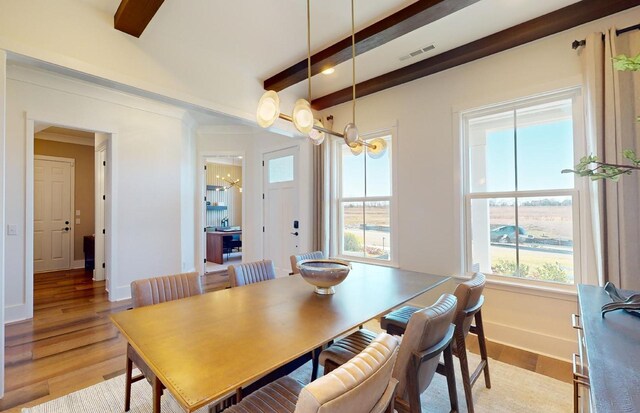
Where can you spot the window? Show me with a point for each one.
(364, 203)
(281, 169)
(521, 212)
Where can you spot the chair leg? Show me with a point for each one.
(451, 379)
(464, 370)
(127, 389)
(483, 348)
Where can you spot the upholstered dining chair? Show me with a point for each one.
(152, 291)
(295, 259)
(251, 272)
(429, 333)
(363, 385)
(468, 319)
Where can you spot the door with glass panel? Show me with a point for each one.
(281, 204)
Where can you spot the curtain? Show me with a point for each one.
(611, 108)
(321, 197)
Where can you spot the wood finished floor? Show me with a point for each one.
(71, 343)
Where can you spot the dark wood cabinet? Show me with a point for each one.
(88, 247)
(606, 369)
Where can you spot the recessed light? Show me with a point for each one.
(239, 157)
(328, 71)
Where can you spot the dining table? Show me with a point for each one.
(206, 347)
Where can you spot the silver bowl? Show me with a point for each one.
(324, 274)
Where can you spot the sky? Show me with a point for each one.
(378, 174)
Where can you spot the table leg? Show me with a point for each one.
(157, 394)
(127, 388)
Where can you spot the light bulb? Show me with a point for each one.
(379, 148)
(328, 71)
(303, 116)
(268, 109)
(356, 149)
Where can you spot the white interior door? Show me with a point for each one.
(51, 215)
(281, 205)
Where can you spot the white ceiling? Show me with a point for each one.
(261, 38)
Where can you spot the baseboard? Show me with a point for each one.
(551, 346)
(14, 313)
(77, 264)
(120, 293)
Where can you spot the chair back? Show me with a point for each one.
(315, 255)
(251, 272)
(362, 385)
(426, 329)
(469, 295)
(157, 290)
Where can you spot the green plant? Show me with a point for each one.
(352, 242)
(551, 272)
(591, 165)
(507, 267)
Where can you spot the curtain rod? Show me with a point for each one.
(580, 43)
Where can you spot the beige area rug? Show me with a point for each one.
(513, 390)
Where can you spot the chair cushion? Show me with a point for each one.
(251, 272)
(398, 318)
(279, 396)
(167, 288)
(347, 348)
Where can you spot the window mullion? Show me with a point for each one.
(515, 164)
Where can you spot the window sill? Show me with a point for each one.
(365, 261)
(558, 292)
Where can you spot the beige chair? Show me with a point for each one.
(295, 259)
(468, 320)
(151, 291)
(363, 385)
(251, 272)
(429, 333)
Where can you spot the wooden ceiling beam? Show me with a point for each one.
(412, 17)
(549, 24)
(133, 16)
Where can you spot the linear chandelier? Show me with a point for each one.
(302, 116)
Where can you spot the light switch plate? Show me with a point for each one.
(12, 230)
(77, 221)
(77, 212)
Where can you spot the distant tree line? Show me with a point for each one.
(535, 202)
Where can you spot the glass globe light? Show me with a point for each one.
(351, 134)
(316, 136)
(268, 109)
(379, 148)
(356, 149)
(303, 116)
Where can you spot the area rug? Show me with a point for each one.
(513, 390)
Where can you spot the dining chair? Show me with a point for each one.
(152, 291)
(295, 259)
(251, 272)
(362, 385)
(429, 334)
(468, 319)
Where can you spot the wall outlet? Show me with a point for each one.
(12, 230)
(77, 221)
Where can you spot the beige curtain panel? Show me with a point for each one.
(611, 108)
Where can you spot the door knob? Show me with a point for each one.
(66, 222)
(66, 229)
(295, 233)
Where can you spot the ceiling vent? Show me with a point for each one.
(417, 52)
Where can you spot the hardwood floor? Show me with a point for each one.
(68, 345)
(71, 343)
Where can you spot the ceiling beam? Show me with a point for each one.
(133, 16)
(412, 17)
(551, 23)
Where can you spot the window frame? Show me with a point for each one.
(579, 262)
(338, 227)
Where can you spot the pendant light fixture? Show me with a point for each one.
(302, 117)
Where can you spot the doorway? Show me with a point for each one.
(281, 231)
(66, 206)
(222, 212)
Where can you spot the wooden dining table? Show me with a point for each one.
(204, 348)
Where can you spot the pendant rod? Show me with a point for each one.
(353, 59)
(288, 118)
(309, 48)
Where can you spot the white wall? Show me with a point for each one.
(429, 183)
(152, 188)
(3, 66)
(252, 147)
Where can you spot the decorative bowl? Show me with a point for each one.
(324, 274)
